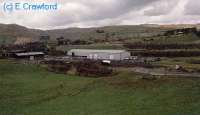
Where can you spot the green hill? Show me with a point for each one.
(108, 33)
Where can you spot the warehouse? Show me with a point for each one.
(100, 54)
(30, 55)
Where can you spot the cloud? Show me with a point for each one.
(192, 8)
(161, 7)
(93, 10)
(87, 13)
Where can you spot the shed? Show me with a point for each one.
(29, 55)
(100, 54)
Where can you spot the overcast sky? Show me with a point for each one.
(91, 13)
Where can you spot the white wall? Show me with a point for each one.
(107, 56)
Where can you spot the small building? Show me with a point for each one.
(30, 55)
(100, 54)
(181, 31)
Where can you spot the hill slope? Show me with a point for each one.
(113, 32)
(22, 34)
(18, 33)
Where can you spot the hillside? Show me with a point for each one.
(18, 33)
(112, 32)
(10, 33)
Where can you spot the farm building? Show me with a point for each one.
(30, 55)
(181, 31)
(100, 54)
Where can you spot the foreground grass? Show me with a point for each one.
(31, 90)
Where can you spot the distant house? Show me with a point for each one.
(100, 54)
(62, 41)
(180, 31)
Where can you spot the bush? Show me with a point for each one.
(90, 68)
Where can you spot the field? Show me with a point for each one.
(190, 63)
(4, 40)
(31, 90)
(188, 38)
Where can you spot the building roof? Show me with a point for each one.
(30, 54)
(97, 51)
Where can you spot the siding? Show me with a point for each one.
(100, 54)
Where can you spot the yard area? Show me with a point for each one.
(191, 63)
(31, 90)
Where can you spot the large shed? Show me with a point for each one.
(100, 54)
(29, 55)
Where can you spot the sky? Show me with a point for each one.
(95, 13)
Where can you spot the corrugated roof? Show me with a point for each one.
(29, 53)
(97, 51)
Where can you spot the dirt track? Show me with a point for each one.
(163, 72)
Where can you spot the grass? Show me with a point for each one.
(31, 90)
(183, 61)
(4, 40)
(189, 38)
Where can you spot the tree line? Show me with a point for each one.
(161, 46)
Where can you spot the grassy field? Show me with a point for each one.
(185, 62)
(31, 90)
(189, 38)
(4, 40)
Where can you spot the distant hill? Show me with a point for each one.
(19, 34)
(108, 32)
(181, 26)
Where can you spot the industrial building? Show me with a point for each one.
(100, 54)
(30, 55)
